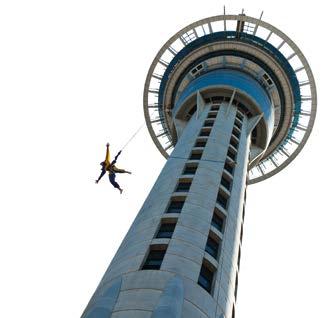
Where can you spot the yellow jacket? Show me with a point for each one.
(108, 166)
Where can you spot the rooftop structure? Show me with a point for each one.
(252, 47)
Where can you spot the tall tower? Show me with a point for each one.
(229, 101)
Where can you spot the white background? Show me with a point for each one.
(71, 78)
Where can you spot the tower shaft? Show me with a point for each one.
(180, 256)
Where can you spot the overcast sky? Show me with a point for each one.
(71, 78)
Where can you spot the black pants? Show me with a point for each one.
(112, 177)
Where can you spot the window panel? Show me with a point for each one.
(206, 276)
(166, 230)
(154, 259)
(217, 222)
(183, 186)
(222, 200)
(175, 205)
(190, 169)
(212, 247)
(195, 156)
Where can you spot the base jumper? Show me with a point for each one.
(112, 169)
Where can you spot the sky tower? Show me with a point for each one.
(229, 101)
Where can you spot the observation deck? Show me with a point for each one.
(243, 60)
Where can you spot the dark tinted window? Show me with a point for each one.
(201, 143)
(225, 183)
(238, 123)
(183, 186)
(208, 123)
(236, 134)
(229, 167)
(206, 278)
(236, 284)
(175, 206)
(189, 169)
(239, 115)
(212, 247)
(234, 143)
(222, 200)
(217, 222)
(215, 107)
(231, 154)
(195, 156)
(204, 133)
(166, 230)
(154, 259)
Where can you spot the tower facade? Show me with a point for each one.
(229, 101)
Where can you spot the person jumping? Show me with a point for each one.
(112, 169)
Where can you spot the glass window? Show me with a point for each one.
(217, 222)
(154, 259)
(204, 133)
(208, 123)
(241, 234)
(183, 186)
(195, 156)
(205, 279)
(166, 230)
(215, 107)
(236, 134)
(190, 169)
(222, 200)
(239, 115)
(212, 247)
(225, 183)
(234, 143)
(238, 123)
(236, 284)
(231, 154)
(200, 143)
(175, 205)
(229, 167)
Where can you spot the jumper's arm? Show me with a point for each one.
(115, 159)
(107, 159)
(103, 171)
